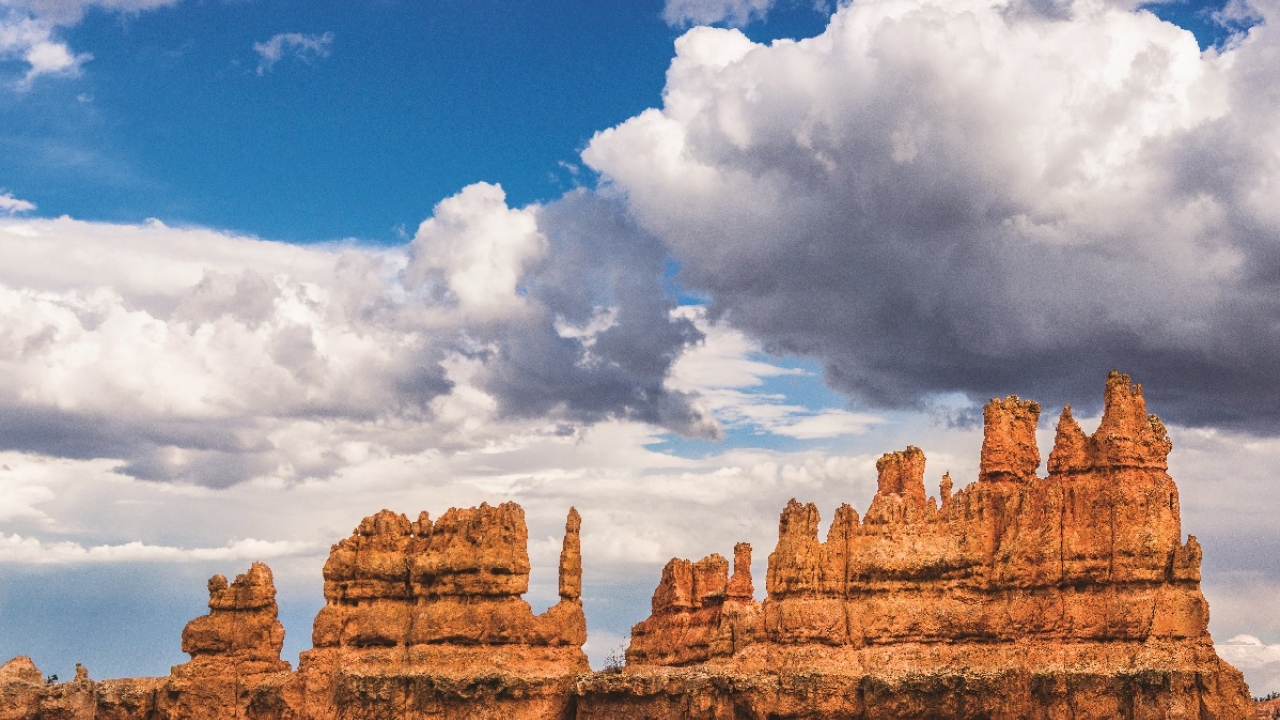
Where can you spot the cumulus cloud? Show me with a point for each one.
(303, 47)
(708, 12)
(11, 205)
(29, 33)
(933, 197)
(196, 355)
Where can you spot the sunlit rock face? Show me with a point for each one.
(426, 619)
(422, 620)
(1072, 595)
(1068, 596)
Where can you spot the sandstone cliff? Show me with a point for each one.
(1071, 596)
(426, 619)
(422, 620)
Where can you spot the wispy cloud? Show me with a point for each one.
(11, 205)
(729, 372)
(32, 551)
(708, 12)
(303, 47)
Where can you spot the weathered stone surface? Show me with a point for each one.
(1017, 597)
(396, 583)
(1009, 450)
(426, 619)
(1072, 595)
(20, 669)
(571, 558)
(423, 620)
(242, 627)
(699, 612)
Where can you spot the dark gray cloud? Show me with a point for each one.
(951, 198)
(601, 268)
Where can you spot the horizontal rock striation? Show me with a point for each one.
(458, 581)
(1017, 596)
(422, 620)
(699, 611)
(429, 616)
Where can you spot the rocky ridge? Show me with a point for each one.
(1071, 595)
(1068, 596)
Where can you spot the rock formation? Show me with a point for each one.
(235, 650)
(1016, 597)
(241, 631)
(430, 616)
(422, 620)
(1071, 596)
(699, 611)
(458, 581)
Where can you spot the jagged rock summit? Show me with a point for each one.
(1070, 596)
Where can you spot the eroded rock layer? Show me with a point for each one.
(1072, 595)
(422, 620)
(426, 619)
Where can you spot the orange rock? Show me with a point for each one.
(1072, 595)
(20, 669)
(1009, 450)
(571, 558)
(1011, 575)
(242, 625)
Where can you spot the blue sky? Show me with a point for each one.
(267, 267)
(405, 104)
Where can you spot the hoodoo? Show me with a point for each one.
(1071, 596)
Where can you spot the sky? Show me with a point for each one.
(268, 267)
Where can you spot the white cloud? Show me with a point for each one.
(31, 551)
(828, 424)
(11, 205)
(195, 355)
(301, 46)
(474, 250)
(29, 33)
(708, 12)
(728, 371)
(933, 197)
(1259, 661)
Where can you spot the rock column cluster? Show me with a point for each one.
(1017, 597)
(1063, 583)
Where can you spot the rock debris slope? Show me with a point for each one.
(1072, 596)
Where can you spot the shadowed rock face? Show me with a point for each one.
(1069, 596)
